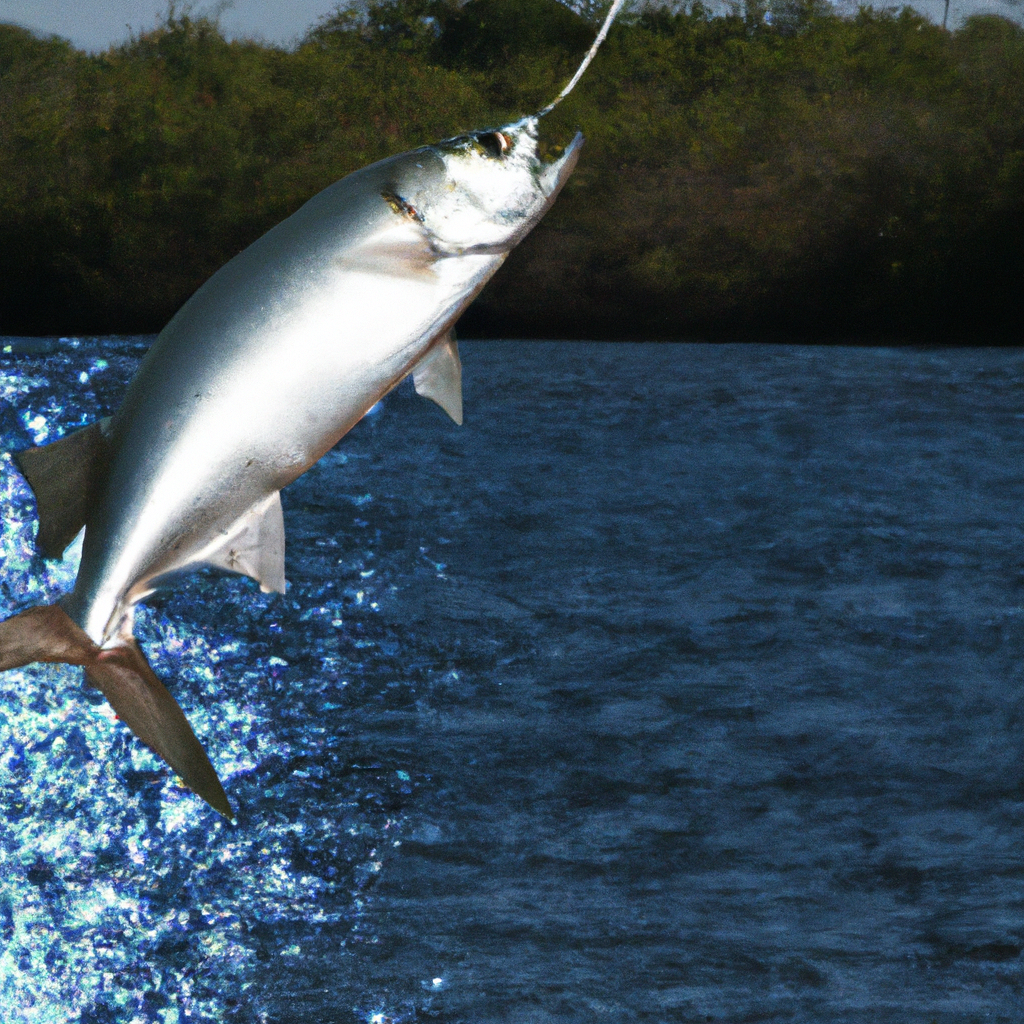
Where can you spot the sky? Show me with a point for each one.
(96, 24)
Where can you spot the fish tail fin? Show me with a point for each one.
(124, 677)
(143, 703)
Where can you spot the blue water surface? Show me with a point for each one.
(682, 683)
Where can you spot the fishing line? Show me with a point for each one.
(609, 18)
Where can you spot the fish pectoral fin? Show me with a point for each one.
(438, 376)
(143, 703)
(254, 546)
(397, 254)
(66, 478)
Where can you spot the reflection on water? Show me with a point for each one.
(682, 683)
(122, 897)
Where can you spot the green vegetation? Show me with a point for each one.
(784, 169)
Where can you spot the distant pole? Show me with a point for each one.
(945, 15)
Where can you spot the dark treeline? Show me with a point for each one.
(781, 169)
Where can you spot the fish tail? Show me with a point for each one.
(122, 674)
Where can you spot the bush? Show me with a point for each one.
(782, 168)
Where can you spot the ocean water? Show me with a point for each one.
(682, 683)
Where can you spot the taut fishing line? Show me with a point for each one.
(609, 18)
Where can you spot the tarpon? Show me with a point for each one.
(262, 371)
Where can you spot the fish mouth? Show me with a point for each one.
(555, 174)
(521, 136)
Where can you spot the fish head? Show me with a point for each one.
(492, 189)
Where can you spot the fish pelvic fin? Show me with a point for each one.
(124, 677)
(438, 376)
(66, 477)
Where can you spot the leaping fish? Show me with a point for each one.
(262, 371)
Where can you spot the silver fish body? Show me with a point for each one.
(266, 367)
(287, 346)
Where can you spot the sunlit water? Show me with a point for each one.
(683, 683)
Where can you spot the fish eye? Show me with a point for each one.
(496, 143)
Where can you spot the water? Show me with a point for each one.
(681, 684)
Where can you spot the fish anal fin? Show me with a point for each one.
(438, 376)
(66, 477)
(143, 703)
(254, 546)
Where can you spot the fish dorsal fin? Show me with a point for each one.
(254, 546)
(438, 376)
(66, 477)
